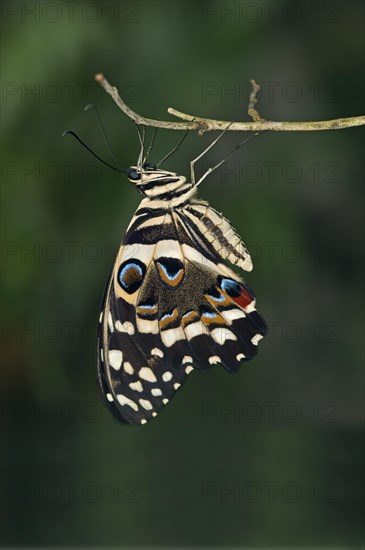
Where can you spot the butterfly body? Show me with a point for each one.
(172, 304)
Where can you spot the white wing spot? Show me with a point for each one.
(156, 392)
(187, 359)
(109, 397)
(146, 326)
(157, 351)
(143, 421)
(128, 368)
(147, 374)
(255, 340)
(154, 414)
(166, 377)
(214, 359)
(221, 335)
(172, 335)
(240, 356)
(146, 404)
(115, 357)
(195, 329)
(232, 314)
(123, 400)
(177, 386)
(102, 355)
(101, 317)
(125, 327)
(165, 401)
(251, 307)
(189, 369)
(110, 322)
(136, 386)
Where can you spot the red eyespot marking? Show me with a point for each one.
(244, 299)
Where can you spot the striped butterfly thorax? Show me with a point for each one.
(172, 304)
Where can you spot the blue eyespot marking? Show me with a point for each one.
(188, 313)
(230, 286)
(125, 269)
(171, 270)
(219, 298)
(167, 315)
(171, 276)
(209, 314)
(131, 274)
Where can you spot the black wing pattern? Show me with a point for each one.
(172, 305)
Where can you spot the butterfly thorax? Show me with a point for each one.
(168, 189)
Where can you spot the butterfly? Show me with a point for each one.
(172, 304)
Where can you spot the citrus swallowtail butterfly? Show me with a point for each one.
(171, 304)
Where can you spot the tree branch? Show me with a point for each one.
(203, 125)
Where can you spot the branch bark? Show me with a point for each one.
(203, 125)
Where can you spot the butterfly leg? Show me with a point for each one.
(176, 148)
(212, 168)
(150, 147)
(141, 141)
(204, 152)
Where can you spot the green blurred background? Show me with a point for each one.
(273, 455)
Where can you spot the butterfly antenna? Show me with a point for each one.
(208, 172)
(71, 133)
(93, 107)
(150, 145)
(174, 149)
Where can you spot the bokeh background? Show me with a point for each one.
(271, 456)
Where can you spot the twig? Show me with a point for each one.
(192, 122)
(251, 109)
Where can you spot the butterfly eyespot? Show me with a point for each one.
(130, 275)
(214, 295)
(132, 174)
(231, 287)
(189, 317)
(147, 310)
(149, 166)
(240, 293)
(171, 270)
(169, 319)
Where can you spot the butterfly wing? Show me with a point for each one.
(171, 305)
(129, 351)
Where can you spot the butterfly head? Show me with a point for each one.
(153, 181)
